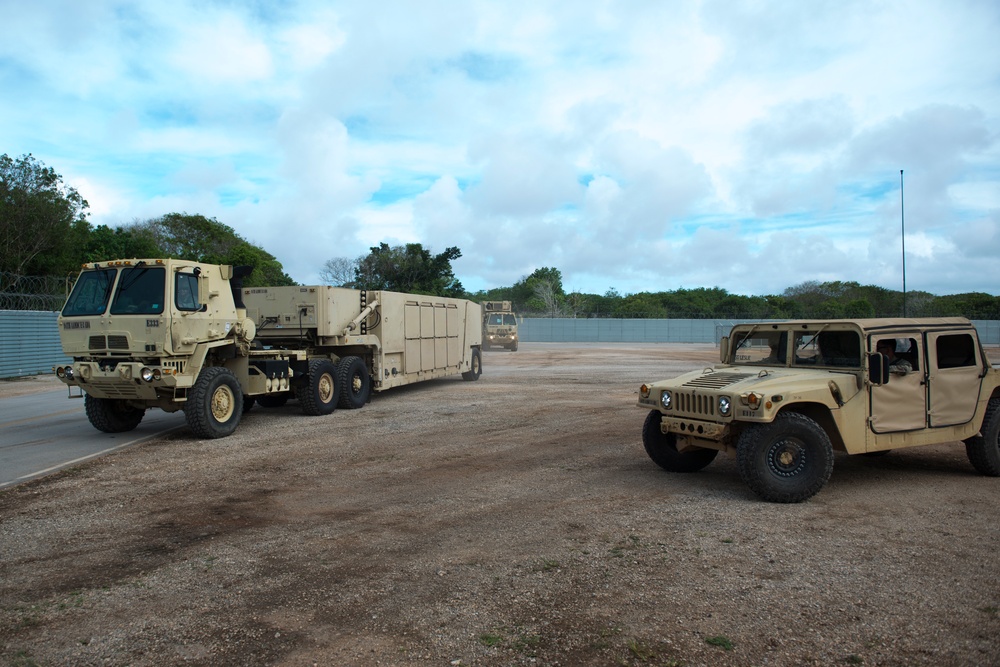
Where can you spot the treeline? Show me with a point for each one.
(541, 295)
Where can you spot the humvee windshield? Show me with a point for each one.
(838, 349)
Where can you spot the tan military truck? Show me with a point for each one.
(499, 325)
(181, 335)
(787, 395)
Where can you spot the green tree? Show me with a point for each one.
(541, 292)
(202, 239)
(409, 268)
(43, 222)
(105, 243)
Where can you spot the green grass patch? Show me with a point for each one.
(720, 641)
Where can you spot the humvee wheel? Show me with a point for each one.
(662, 448)
(786, 461)
(112, 415)
(319, 394)
(214, 404)
(248, 403)
(355, 383)
(475, 366)
(273, 400)
(983, 450)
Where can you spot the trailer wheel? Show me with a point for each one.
(786, 461)
(112, 415)
(214, 404)
(475, 366)
(355, 383)
(273, 400)
(983, 450)
(319, 395)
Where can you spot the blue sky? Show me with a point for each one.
(640, 146)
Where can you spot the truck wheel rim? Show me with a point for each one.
(786, 457)
(223, 404)
(356, 384)
(325, 388)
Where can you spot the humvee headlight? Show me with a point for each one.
(644, 391)
(725, 406)
(666, 400)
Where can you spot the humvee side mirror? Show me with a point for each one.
(878, 368)
(724, 349)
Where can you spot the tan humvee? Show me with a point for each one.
(787, 394)
(182, 335)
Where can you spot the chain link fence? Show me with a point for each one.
(33, 292)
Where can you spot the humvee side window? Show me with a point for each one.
(91, 293)
(955, 351)
(140, 291)
(837, 349)
(186, 292)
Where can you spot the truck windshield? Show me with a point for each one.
(90, 294)
(140, 291)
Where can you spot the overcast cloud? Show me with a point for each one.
(641, 146)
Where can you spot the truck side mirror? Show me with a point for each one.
(878, 369)
(724, 349)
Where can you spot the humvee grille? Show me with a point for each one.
(698, 404)
(695, 404)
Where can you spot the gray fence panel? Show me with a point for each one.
(29, 343)
(570, 330)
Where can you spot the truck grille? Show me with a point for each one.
(113, 342)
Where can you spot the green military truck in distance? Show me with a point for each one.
(499, 325)
(786, 395)
(182, 335)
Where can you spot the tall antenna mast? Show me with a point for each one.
(902, 224)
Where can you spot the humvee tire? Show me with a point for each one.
(983, 450)
(248, 403)
(475, 367)
(662, 448)
(319, 394)
(786, 461)
(112, 415)
(215, 403)
(355, 383)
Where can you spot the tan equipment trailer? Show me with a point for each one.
(181, 335)
(786, 395)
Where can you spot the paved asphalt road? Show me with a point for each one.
(45, 432)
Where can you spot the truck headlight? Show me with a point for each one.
(149, 374)
(725, 405)
(666, 400)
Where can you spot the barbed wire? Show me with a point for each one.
(33, 292)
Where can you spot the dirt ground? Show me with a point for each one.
(511, 521)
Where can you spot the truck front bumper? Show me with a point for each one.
(125, 380)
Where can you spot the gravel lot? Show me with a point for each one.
(511, 521)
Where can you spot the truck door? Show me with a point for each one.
(954, 377)
(900, 404)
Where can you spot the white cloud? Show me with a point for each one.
(636, 145)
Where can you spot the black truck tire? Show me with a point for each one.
(662, 448)
(214, 404)
(318, 395)
(112, 415)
